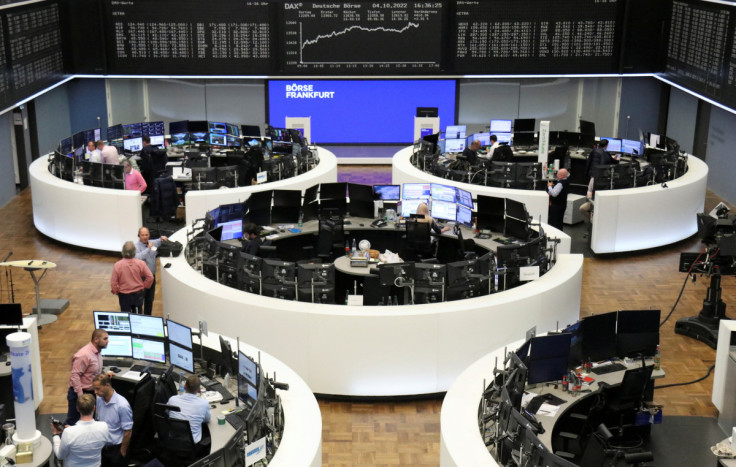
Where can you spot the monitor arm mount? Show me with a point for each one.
(400, 281)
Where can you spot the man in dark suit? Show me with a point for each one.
(251, 241)
(599, 156)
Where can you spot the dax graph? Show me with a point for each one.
(365, 37)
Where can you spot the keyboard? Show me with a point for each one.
(235, 420)
(154, 370)
(605, 369)
(116, 362)
(226, 396)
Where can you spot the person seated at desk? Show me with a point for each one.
(599, 156)
(133, 179)
(503, 153)
(81, 444)
(251, 239)
(423, 216)
(93, 154)
(494, 144)
(109, 153)
(471, 153)
(193, 408)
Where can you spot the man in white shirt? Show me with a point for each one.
(81, 444)
(193, 409)
(93, 154)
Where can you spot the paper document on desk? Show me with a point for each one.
(135, 375)
(547, 410)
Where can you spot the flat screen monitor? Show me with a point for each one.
(516, 209)
(142, 325)
(233, 130)
(157, 140)
(179, 334)
(587, 128)
(409, 206)
(428, 112)
(455, 145)
(250, 130)
(444, 210)
(491, 205)
(443, 193)
(332, 191)
(149, 350)
(114, 132)
(464, 216)
(387, 192)
(133, 144)
(459, 272)
(614, 145)
(633, 147)
(65, 146)
(502, 126)
(504, 137)
(387, 273)
(277, 271)
(484, 138)
(231, 229)
(286, 206)
(359, 192)
(247, 387)
(524, 125)
(464, 197)
(598, 337)
(548, 358)
(416, 191)
(181, 358)
(217, 128)
(118, 345)
(198, 137)
(427, 274)
(179, 127)
(11, 314)
(455, 132)
(217, 139)
(152, 128)
(132, 130)
(637, 332)
(233, 141)
(112, 321)
(319, 273)
(492, 222)
(517, 229)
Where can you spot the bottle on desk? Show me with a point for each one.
(657, 359)
(181, 382)
(354, 247)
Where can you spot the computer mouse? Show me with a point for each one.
(213, 406)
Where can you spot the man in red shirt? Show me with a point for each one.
(86, 364)
(130, 277)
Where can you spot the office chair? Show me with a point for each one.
(626, 399)
(330, 238)
(175, 443)
(418, 241)
(141, 448)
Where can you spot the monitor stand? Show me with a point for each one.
(704, 327)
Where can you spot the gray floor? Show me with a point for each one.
(685, 441)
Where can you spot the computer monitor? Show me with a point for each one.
(319, 273)
(633, 147)
(11, 314)
(143, 325)
(232, 230)
(428, 274)
(597, 337)
(455, 145)
(286, 206)
(217, 139)
(409, 206)
(516, 209)
(458, 272)
(389, 272)
(276, 271)
(548, 358)
(517, 229)
(443, 193)
(491, 213)
(281, 291)
(250, 130)
(428, 112)
(332, 190)
(484, 138)
(614, 144)
(463, 197)
(227, 358)
(247, 380)
(361, 200)
(455, 131)
(524, 125)
(179, 334)
(416, 191)
(112, 321)
(387, 192)
(503, 126)
(181, 358)
(464, 216)
(149, 350)
(118, 345)
(510, 255)
(259, 207)
(217, 128)
(133, 144)
(587, 128)
(637, 332)
(443, 210)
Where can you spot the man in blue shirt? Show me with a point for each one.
(113, 409)
(81, 445)
(192, 408)
(145, 250)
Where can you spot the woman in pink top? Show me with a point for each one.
(133, 179)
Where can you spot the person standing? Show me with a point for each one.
(145, 250)
(130, 277)
(193, 409)
(113, 409)
(93, 154)
(109, 154)
(86, 364)
(558, 198)
(133, 179)
(81, 445)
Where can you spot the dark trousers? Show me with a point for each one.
(148, 295)
(72, 416)
(111, 457)
(131, 302)
(555, 216)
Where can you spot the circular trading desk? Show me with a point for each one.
(536, 201)
(374, 350)
(199, 202)
(105, 218)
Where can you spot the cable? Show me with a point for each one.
(710, 370)
(682, 289)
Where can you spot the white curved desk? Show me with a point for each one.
(649, 216)
(374, 351)
(86, 216)
(199, 202)
(301, 444)
(537, 202)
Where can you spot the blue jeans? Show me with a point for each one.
(72, 416)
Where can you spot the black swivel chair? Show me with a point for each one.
(330, 239)
(623, 401)
(175, 443)
(418, 241)
(141, 448)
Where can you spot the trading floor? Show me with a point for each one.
(369, 433)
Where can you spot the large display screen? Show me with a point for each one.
(370, 111)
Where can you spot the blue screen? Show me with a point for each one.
(366, 111)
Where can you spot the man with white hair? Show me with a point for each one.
(558, 198)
